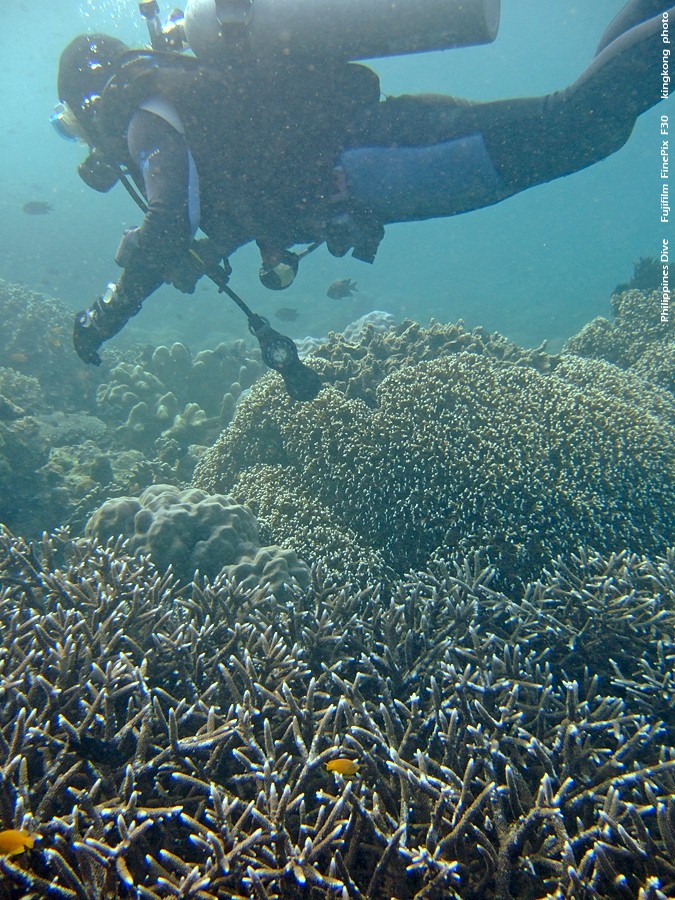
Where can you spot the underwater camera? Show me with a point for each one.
(164, 37)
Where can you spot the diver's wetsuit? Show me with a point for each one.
(242, 156)
(405, 158)
(163, 159)
(496, 149)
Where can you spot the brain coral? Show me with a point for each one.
(460, 453)
(192, 530)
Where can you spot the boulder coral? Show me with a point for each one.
(173, 394)
(192, 531)
(459, 453)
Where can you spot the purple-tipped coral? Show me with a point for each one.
(167, 743)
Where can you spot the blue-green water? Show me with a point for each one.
(536, 266)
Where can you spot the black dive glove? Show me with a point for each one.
(189, 267)
(102, 320)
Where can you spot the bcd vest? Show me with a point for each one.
(264, 143)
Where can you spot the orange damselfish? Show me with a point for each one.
(343, 766)
(13, 842)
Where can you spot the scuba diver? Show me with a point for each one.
(308, 152)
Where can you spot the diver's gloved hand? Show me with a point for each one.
(201, 256)
(102, 320)
(345, 232)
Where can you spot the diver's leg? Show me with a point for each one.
(633, 13)
(505, 146)
(535, 140)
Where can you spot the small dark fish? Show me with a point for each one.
(286, 314)
(37, 208)
(342, 289)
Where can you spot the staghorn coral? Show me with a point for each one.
(192, 531)
(462, 452)
(636, 340)
(173, 744)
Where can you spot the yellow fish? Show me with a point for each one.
(13, 842)
(343, 766)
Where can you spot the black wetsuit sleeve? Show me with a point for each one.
(162, 157)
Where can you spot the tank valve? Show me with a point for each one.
(164, 37)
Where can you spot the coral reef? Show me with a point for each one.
(192, 531)
(156, 410)
(24, 491)
(636, 340)
(174, 744)
(647, 276)
(36, 341)
(461, 453)
(357, 366)
(377, 320)
(172, 394)
(23, 391)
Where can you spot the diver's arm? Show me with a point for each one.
(149, 253)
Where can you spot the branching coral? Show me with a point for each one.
(462, 452)
(636, 339)
(172, 744)
(357, 363)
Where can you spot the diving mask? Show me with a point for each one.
(65, 124)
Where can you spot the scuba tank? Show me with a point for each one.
(270, 30)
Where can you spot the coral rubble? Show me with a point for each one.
(166, 743)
